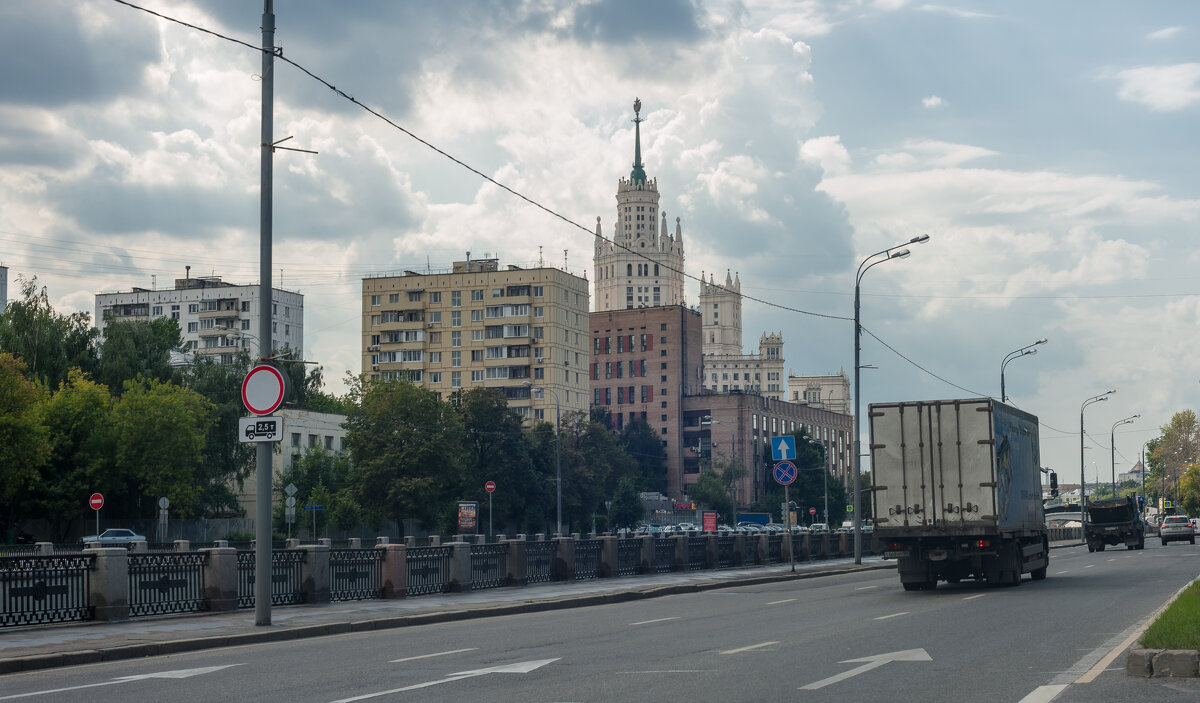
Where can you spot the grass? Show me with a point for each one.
(1179, 625)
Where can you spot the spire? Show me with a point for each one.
(638, 174)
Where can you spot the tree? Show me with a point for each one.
(226, 462)
(495, 449)
(626, 510)
(710, 491)
(24, 441)
(131, 349)
(48, 343)
(324, 478)
(1177, 448)
(593, 462)
(305, 386)
(645, 447)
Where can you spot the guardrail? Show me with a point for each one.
(629, 556)
(427, 570)
(167, 583)
(539, 561)
(44, 589)
(588, 564)
(286, 578)
(355, 574)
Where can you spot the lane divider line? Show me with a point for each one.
(977, 595)
(778, 602)
(435, 654)
(739, 650)
(648, 622)
(893, 615)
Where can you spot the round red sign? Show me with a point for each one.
(812, 511)
(263, 389)
(490, 486)
(96, 501)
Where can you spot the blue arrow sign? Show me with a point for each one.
(785, 473)
(314, 507)
(783, 448)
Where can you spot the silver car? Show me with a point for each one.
(1176, 528)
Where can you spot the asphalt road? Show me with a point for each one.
(857, 637)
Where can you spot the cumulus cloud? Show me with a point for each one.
(826, 153)
(932, 101)
(1161, 88)
(1165, 33)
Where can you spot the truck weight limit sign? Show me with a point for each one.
(263, 389)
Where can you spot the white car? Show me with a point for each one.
(818, 527)
(114, 537)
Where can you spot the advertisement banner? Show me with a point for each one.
(468, 512)
(709, 521)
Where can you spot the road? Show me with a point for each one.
(856, 637)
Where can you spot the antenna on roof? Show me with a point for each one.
(565, 259)
(541, 261)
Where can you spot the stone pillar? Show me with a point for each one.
(182, 545)
(383, 540)
(712, 550)
(762, 548)
(110, 583)
(786, 546)
(681, 552)
(220, 578)
(805, 546)
(518, 570)
(647, 560)
(314, 574)
(841, 544)
(740, 557)
(45, 549)
(435, 540)
(539, 537)
(564, 559)
(139, 547)
(410, 542)
(355, 543)
(325, 542)
(610, 557)
(292, 543)
(221, 543)
(395, 575)
(460, 567)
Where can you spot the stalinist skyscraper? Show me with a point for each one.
(643, 266)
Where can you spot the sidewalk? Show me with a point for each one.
(68, 644)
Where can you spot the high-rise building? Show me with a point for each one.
(642, 265)
(830, 392)
(523, 331)
(215, 317)
(726, 368)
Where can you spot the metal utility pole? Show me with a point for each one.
(262, 464)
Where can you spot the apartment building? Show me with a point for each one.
(523, 331)
(215, 318)
(829, 392)
(726, 368)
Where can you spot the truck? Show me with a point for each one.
(957, 491)
(1112, 522)
(760, 519)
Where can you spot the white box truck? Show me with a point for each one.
(957, 491)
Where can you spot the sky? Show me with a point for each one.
(1047, 149)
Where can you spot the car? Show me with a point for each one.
(114, 537)
(818, 527)
(687, 527)
(847, 526)
(1176, 528)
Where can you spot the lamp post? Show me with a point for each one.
(1016, 354)
(1112, 446)
(1082, 477)
(887, 254)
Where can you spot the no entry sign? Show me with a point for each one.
(490, 486)
(96, 501)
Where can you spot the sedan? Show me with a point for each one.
(1176, 528)
(114, 537)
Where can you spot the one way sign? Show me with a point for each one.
(783, 448)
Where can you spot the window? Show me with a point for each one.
(329, 442)
(476, 335)
(476, 316)
(312, 440)
(435, 316)
(414, 296)
(374, 301)
(476, 355)
(456, 339)
(497, 292)
(435, 337)
(435, 376)
(194, 308)
(295, 439)
(477, 295)
(538, 291)
(156, 310)
(393, 297)
(476, 375)
(456, 359)
(245, 324)
(192, 326)
(435, 297)
(539, 372)
(456, 379)
(456, 299)
(539, 311)
(456, 318)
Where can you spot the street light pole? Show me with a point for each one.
(1082, 477)
(856, 462)
(1016, 354)
(1112, 446)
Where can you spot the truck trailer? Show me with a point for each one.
(957, 491)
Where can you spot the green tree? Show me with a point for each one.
(324, 478)
(626, 509)
(131, 349)
(593, 462)
(24, 441)
(1178, 446)
(712, 492)
(495, 449)
(226, 462)
(645, 448)
(48, 343)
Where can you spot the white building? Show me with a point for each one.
(3, 287)
(726, 368)
(214, 317)
(829, 392)
(301, 429)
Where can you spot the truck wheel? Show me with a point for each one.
(1164, 542)
(916, 586)
(1100, 547)
(1141, 543)
(1091, 547)
(1038, 574)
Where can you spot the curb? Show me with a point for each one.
(137, 651)
(1162, 663)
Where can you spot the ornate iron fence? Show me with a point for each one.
(427, 570)
(697, 553)
(35, 590)
(539, 561)
(774, 549)
(725, 552)
(664, 555)
(20, 550)
(489, 565)
(168, 582)
(355, 574)
(286, 573)
(629, 556)
(587, 559)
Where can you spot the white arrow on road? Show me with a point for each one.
(871, 662)
(176, 674)
(517, 668)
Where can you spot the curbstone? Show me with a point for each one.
(1176, 663)
(1140, 662)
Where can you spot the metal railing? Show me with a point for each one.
(629, 556)
(286, 572)
(697, 553)
(20, 550)
(588, 559)
(489, 565)
(539, 561)
(775, 548)
(725, 552)
(355, 574)
(664, 555)
(167, 583)
(427, 570)
(35, 590)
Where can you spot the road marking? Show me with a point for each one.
(863, 588)
(873, 662)
(663, 671)
(739, 650)
(1056, 573)
(893, 615)
(977, 595)
(1113, 559)
(1089, 566)
(435, 654)
(785, 600)
(176, 674)
(1043, 694)
(648, 622)
(518, 668)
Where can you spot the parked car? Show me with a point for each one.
(847, 526)
(114, 537)
(687, 527)
(1176, 528)
(818, 527)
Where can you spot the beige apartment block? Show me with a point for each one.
(523, 331)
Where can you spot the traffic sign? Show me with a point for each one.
(812, 511)
(290, 501)
(785, 473)
(164, 503)
(263, 389)
(314, 507)
(783, 448)
(490, 486)
(96, 501)
(290, 489)
(260, 429)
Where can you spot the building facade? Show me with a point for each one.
(523, 331)
(215, 318)
(642, 264)
(643, 362)
(726, 368)
(829, 392)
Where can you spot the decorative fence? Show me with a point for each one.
(697, 553)
(725, 552)
(355, 574)
(539, 561)
(588, 559)
(167, 583)
(35, 590)
(489, 565)
(629, 556)
(427, 570)
(664, 555)
(774, 549)
(285, 577)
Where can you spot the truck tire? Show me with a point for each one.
(1038, 574)
(1091, 547)
(1141, 543)
(1164, 542)
(1100, 547)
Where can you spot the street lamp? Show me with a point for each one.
(1112, 445)
(1082, 477)
(1016, 354)
(887, 254)
(557, 458)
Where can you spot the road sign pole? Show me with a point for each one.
(97, 524)
(490, 537)
(787, 521)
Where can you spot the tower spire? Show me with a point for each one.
(638, 174)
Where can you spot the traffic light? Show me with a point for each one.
(1053, 485)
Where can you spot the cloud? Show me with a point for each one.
(1161, 88)
(827, 153)
(931, 153)
(1162, 34)
(932, 101)
(954, 11)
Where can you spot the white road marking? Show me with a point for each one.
(747, 649)
(518, 668)
(1056, 573)
(785, 600)
(176, 674)
(863, 588)
(435, 654)
(977, 595)
(1043, 694)
(1089, 566)
(648, 622)
(1113, 559)
(908, 655)
(664, 671)
(893, 615)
